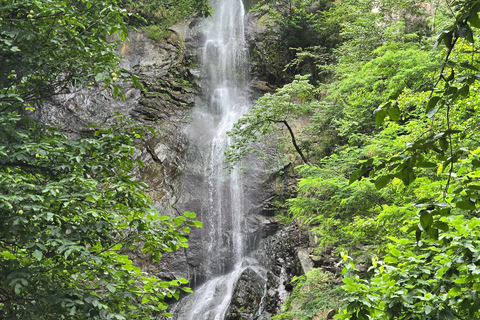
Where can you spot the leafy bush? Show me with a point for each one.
(314, 295)
(70, 215)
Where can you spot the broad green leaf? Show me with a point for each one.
(426, 220)
(441, 225)
(465, 205)
(8, 255)
(432, 103)
(390, 259)
(394, 113)
(395, 252)
(38, 255)
(380, 117)
(382, 181)
(473, 16)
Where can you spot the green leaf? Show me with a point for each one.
(116, 91)
(446, 314)
(390, 259)
(190, 215)
(447, 39)
(433, 233)
(187, 289)
(418, 235)
(426, 220)
(355, 175)
(382, 181)
(441, 225)
(426, 164)
(395, 252)
(394, 113)
(464, 91)
(38, 255)
(465, 205)
(380, 117)
(464, 31)
(443, 144)
(8, 255)
(473, 16)
(429, 309)
(432, 112)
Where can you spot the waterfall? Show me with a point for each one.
(224, 76)
(223, 66)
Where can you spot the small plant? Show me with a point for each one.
(313, 295)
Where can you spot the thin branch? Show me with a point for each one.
(451, 155)
(292, 135)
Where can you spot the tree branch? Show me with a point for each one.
(294, 141)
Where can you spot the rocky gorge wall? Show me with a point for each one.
(167, 70)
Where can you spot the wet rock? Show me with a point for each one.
(247, 296)
(280, 253)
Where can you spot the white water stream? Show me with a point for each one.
(224, 61)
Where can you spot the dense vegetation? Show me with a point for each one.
(387, 92)
(390, 147)
(156, 16)
(70, 210)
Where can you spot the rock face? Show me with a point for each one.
(164, 105)
(167, 72)
(257, 298)
(247, 297)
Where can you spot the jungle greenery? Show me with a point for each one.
(71, 212)
(157, 15)
(390, 141)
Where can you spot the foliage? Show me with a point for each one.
(366, 25)
(314, 295)
(47, 45)
(431, 279)
(293, 26)
(393, 67)
(158, 15)
(432, 273)
(271, 114)
(343, 215)
(70, 214)
(402, 113)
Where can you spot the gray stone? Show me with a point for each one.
(305, 261)
(247, 296)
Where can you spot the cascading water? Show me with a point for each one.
(224, 81)
(224, 65)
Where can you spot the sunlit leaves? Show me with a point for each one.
(425, 276)
(437, 268)
(272, 115)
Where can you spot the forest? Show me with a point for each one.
(375, 101)
(389, 155)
